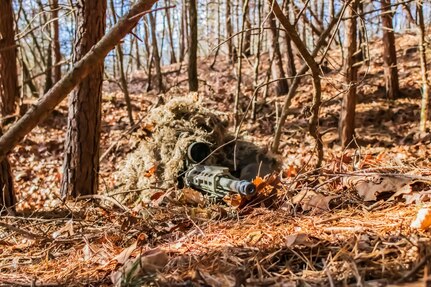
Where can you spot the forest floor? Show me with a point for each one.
(349, 224)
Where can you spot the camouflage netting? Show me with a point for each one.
(159, 159)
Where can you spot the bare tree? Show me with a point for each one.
(229, 32)
(389, 51)
(290, 66)
(315, 74)
(123, 79)
(277, 62)
(193, 47)
(81, 162)
(56, 41)
(155, 53)
(348, 106)
(171, 38)
(246, 49)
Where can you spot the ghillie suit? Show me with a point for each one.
(159, 160)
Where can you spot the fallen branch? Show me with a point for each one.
(80, 71)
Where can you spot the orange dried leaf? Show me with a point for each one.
(234, 200)
(151, 171)
(423, 219)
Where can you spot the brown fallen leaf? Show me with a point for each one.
(134, 269)
(370, 187)
(190, 196)
(125, 254)
(301, 239)
(311, 200)
(234, 200)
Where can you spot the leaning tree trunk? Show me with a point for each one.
(193, 47)
(348, 106)
(8, 67)
(389, 51)
(81, 163)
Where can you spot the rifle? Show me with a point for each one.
(214, 180)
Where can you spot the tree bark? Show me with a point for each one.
(389, 52)
(277, 64)
(81, 159)
(348, 106)
(193, 47)
(8, 65)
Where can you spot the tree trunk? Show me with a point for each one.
(290, 67)
(277, 65)
(81, 163)
(184, 28)
(389, 51)
(56, 41)
(424, 71)
(229, 33)
(295, 83)
(218, 37)
(315, 73)
(156, 55)
(8, 95)
(193, 47)
(257, 61)
(171, 38)
(246, 49)
(348, 106)
(7, 193)
(48, 68)
(8, 66)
